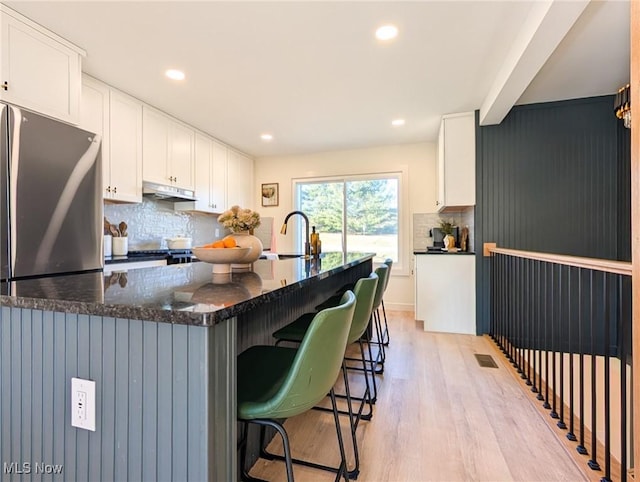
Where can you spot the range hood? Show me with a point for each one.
(163, 192)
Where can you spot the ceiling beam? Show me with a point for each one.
(545, 27)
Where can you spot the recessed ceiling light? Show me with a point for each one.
(397, 122)
(266, 137)
(387, 32)
(175, 74)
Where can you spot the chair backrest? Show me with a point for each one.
(383, 272)
(317, 363)
(389, 263)
(365, 291)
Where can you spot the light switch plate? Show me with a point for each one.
(83, 404)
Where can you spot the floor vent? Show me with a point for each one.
(486, 361)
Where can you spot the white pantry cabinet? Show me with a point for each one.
(168, 150)
(445, 293)
(38, 69)
(239, 180)
(100, 109)
(456, 174)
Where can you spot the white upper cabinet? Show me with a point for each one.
(456, 186)
(125, 128)
(219, 166)
(102, 107)
(168, 150)
(38, 69)
(212, 164)
(239, 180)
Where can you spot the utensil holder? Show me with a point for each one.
(120, 245)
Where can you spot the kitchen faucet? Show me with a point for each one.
(307, 246)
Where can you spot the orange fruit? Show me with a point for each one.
(229, 242)
(218, 244)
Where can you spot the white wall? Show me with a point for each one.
(418, 162)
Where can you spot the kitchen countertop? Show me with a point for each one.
(424, 251)
(181, 293)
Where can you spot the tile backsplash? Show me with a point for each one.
(423, 222)
(151, 222)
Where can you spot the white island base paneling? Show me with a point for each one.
(445, 292)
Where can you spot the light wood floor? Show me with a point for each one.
(439, 417)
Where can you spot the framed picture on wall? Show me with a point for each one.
(270, 194)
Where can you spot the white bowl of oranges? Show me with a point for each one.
(222, 254)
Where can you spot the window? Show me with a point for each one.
(358, 213)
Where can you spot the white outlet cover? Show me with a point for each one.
(83, 404)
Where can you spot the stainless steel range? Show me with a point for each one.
(173, 256)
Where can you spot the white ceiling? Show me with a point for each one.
(313, 75)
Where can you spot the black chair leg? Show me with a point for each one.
(285, 444)
(353, 474)
(244, 474)
(336, 418)
(381, 356)
(385, 335)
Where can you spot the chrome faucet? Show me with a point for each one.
(307, 245)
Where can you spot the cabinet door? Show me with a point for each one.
(181, 139)
(203, 173)
(445, 293)
(94, 117)
(440, 186)
(125, 126)
(459, 160)
(219, 177)
(239, 180)
(155, 147)
(41, 73)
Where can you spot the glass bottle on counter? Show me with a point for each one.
(315, 242)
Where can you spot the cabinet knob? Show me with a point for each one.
(175, 179)
(108, 188)
(115, 189)
(171, 178)
(437, 203)
(5, 85)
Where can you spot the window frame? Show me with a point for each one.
(400, 266)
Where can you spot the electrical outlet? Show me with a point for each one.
(217, 232)
(83, 404)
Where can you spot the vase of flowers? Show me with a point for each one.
(447, 229)
(241, 222)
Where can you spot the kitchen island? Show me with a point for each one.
(161, 345)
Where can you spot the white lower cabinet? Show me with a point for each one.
(445, 293)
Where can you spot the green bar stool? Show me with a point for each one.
(364, 290)
(277, 383)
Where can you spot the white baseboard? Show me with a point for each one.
(399, 307)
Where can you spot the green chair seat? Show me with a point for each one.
(295, 330)
(264, 369)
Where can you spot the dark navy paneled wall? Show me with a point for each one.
(552, 177)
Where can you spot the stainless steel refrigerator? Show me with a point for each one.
(50, 197)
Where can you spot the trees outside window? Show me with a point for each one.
(355, 214)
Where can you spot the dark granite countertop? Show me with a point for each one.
(424, 251)
(181, 293)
